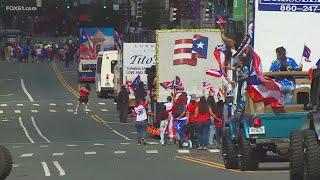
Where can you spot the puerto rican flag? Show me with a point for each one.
(261, 88)
(215, 73)
(178, 86)
(167, 85)
(306, 53)
(219, 55)
(210, 88)
(86, 45)
(220, 20)
(187, 51)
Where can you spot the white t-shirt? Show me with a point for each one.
(141, 113)
(168, 105)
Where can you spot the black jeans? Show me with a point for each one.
(123, 112)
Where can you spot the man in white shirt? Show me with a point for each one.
(141, 122)
(164, 123)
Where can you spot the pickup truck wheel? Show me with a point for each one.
(5, 162)
(312, 156)
(248, 160)
(296, 155)
(229, 152)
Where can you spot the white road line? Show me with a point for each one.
(25, 130)
(25, 91)
(181, 151)
(134, 132)
(60, 169)
(38, 130)
(20, 105)
(52, 110)
(58, 154)
(152, 143)
(1, 111)
(124, 143)
(152, 151)
(5, 120)
(52, 104)
(102, 103)
(44, 146)
(71, 145)
(88, 110)
(15, 165)
(4, 105)
(34, 111)
(70, 110)
(45, 168)
(104, 110)
(69, 104)
(119, 152)
(36, 104)
(90, 153)
(125, 137)
(98, 144)
(17, 111)
(214, 150)
(27, 155)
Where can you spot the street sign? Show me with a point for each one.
(289, 5)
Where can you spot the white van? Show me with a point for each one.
(106, 62)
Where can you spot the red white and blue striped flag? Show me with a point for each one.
(220, 20)
(215, 72)
(261, 88)
(167, 85)
(178, 86)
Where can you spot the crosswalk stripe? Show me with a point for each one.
(69, 104)
(4, 105)
(152, 151)
(181, 151)
(27, 155)
(1, 111)
(152, 143)
(124, 143)
(45, 168)
(44, 146)
(34, 111)
(70, 110)
(102, 103)
(90, 153)
(60, 169)
(214, 150)
(104, 110)
(98, 144)
(71, 145)
(58, 154)
(52, 110)
(17, 111)
(52, 104)
(20, 105)
(36, 104)
(119, 152)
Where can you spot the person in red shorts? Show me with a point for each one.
(84, 98)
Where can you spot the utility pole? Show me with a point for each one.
(246, 16)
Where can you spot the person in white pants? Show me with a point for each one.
(164, 123)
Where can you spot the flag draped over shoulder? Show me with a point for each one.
(261, 88)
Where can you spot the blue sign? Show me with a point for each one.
(289, 5)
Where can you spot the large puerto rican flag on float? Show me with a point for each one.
(261, 88)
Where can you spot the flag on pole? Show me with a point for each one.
(178, 86)
(215, 73)
(261, 88)
(220, 20)
(306, 53)
(210, 88)
(219, 55)
(167, 85)
(135, 83)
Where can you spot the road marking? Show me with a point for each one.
(104, 110)
(1, 111)
(52, 104)
(102, 103)
(90, 153)
(214, 150)
(52, 110)
(63, 82)
(15, 165)
(6, 95)
(38, 130)
(60, 169)
(69, 104)
(34, 111)
(70, 110)
(119, 152)
(134, 132)
(152, 143)
(124, 143)
(58, 154)
(36, 104)
(98, 144)
(152, 151)
(25, 91)
(25, 130)
(45, 168)
(16, 147)
(27, 155)
(44, 146)
(17, 111)
(4, 105)
(125, 137)
(183, 151)
(5, 120)
(20, 105)
(71, 145)
(88, 110)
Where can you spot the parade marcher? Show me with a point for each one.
(84, 98)
(141, 122)
(122, 104)
(180, 118)
(191, 127)
(165, 118)
(140, 93)
(212, 130)
(26, 52)
(284, 63)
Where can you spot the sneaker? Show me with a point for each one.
(190, 144)
(139, 144)
(185, 144)
(144, 142)
(87, 112)
(75, 112)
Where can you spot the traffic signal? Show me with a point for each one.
(139, 11)
(173, 13)
(208, 14)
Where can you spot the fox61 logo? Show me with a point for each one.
(20, 8)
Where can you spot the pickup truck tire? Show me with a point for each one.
(230, 153)
(296, 149)
(248, 160)
(5, 162)
(312, 156)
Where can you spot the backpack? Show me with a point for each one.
(178, 111)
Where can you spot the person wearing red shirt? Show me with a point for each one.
(84, 98)
(191, 126)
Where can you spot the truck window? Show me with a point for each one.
(113, 64)
(89, 67)
(99, 63)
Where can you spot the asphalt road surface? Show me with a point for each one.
(48, 141)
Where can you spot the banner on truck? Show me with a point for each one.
(289, 24)
(186, 54)
(136, 58)
(93, 40)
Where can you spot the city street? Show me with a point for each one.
(48, 141)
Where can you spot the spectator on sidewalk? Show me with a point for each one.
(122, 104)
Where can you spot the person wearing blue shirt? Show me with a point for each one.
(284, 63)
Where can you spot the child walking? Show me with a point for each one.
(84, 98)
(141, 121)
